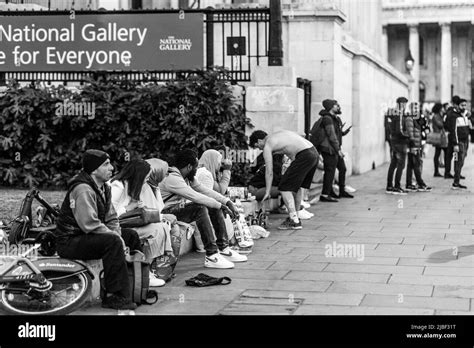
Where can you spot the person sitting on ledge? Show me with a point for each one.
(88, 228)
(206, 208)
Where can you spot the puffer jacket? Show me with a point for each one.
(414, 132)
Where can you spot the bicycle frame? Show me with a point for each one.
(36, 279)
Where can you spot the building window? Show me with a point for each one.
(422, 51)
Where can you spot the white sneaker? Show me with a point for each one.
(217, 261)
(305, 205)
(156, 282)
(233, 255)
(303, 214)
(349, 189)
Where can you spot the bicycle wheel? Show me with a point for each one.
(68, 293)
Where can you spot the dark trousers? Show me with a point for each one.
(207, 220)
(448, 157)
(436, 157)
(331, 162)
(397, 162)
(414, 166)
(109, 248)
(459, 159)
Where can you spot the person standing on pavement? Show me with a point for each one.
(458, 128)
(450, 119)
(399, 139)
(330, 149)
(415, 161)
(304, 161)
(437, 122)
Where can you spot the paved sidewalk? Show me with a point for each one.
(418, 259)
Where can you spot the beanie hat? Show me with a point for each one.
(401, 100)
(93, 159)
(329, 103)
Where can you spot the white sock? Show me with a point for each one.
(294, 217)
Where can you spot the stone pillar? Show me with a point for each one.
(446, 62)
(274, 102)
(414, 46)
(385, 43)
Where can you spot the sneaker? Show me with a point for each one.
(437, 175)
(155, 281)
(344, 194)
(349, 189)
(411, 188)
(305, 205)
(333, 194)
(282, 210)
(119, 303)
(217, 261)
(462, 177)
(448, 176)
(303, 214)
(399, 191)
(458, 186)
(424, 188)
(289, 224)
(328, 199)
(389, 190)
(242, 250)
(233, 255)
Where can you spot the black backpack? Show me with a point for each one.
(318, 133)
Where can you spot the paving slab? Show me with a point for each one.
(353, 310)
(415, 302)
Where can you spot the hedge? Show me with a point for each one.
(44, 136)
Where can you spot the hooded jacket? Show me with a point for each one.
(175, 190)
(86, 209)
(333, 133)
(414, 132)
(457, 125)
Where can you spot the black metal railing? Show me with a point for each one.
(237, 39)
(306, 86)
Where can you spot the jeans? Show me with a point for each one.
(109, 248)
(448, 157)
(398, 158)
(331, 162)
(207, 220)
(414, 166)
(436, 157)
(459, 159)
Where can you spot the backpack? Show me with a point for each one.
(139, 279)
(317, 133)
(396, 125)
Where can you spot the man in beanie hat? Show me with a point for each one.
(330, 149)
(88, 227)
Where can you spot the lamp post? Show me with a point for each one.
(275, 54)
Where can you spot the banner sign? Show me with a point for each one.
(123, 42)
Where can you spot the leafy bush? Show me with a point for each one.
(132, 120)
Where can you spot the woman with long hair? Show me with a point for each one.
(437, 123)
(130, 190)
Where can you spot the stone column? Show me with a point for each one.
(414, 46)
(385, 43)
(446, 62)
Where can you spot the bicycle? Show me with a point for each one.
(48, 285)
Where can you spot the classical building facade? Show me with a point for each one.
(439, 34)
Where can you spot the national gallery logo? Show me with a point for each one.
(175, 44)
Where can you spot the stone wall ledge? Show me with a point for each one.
(359, 50)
